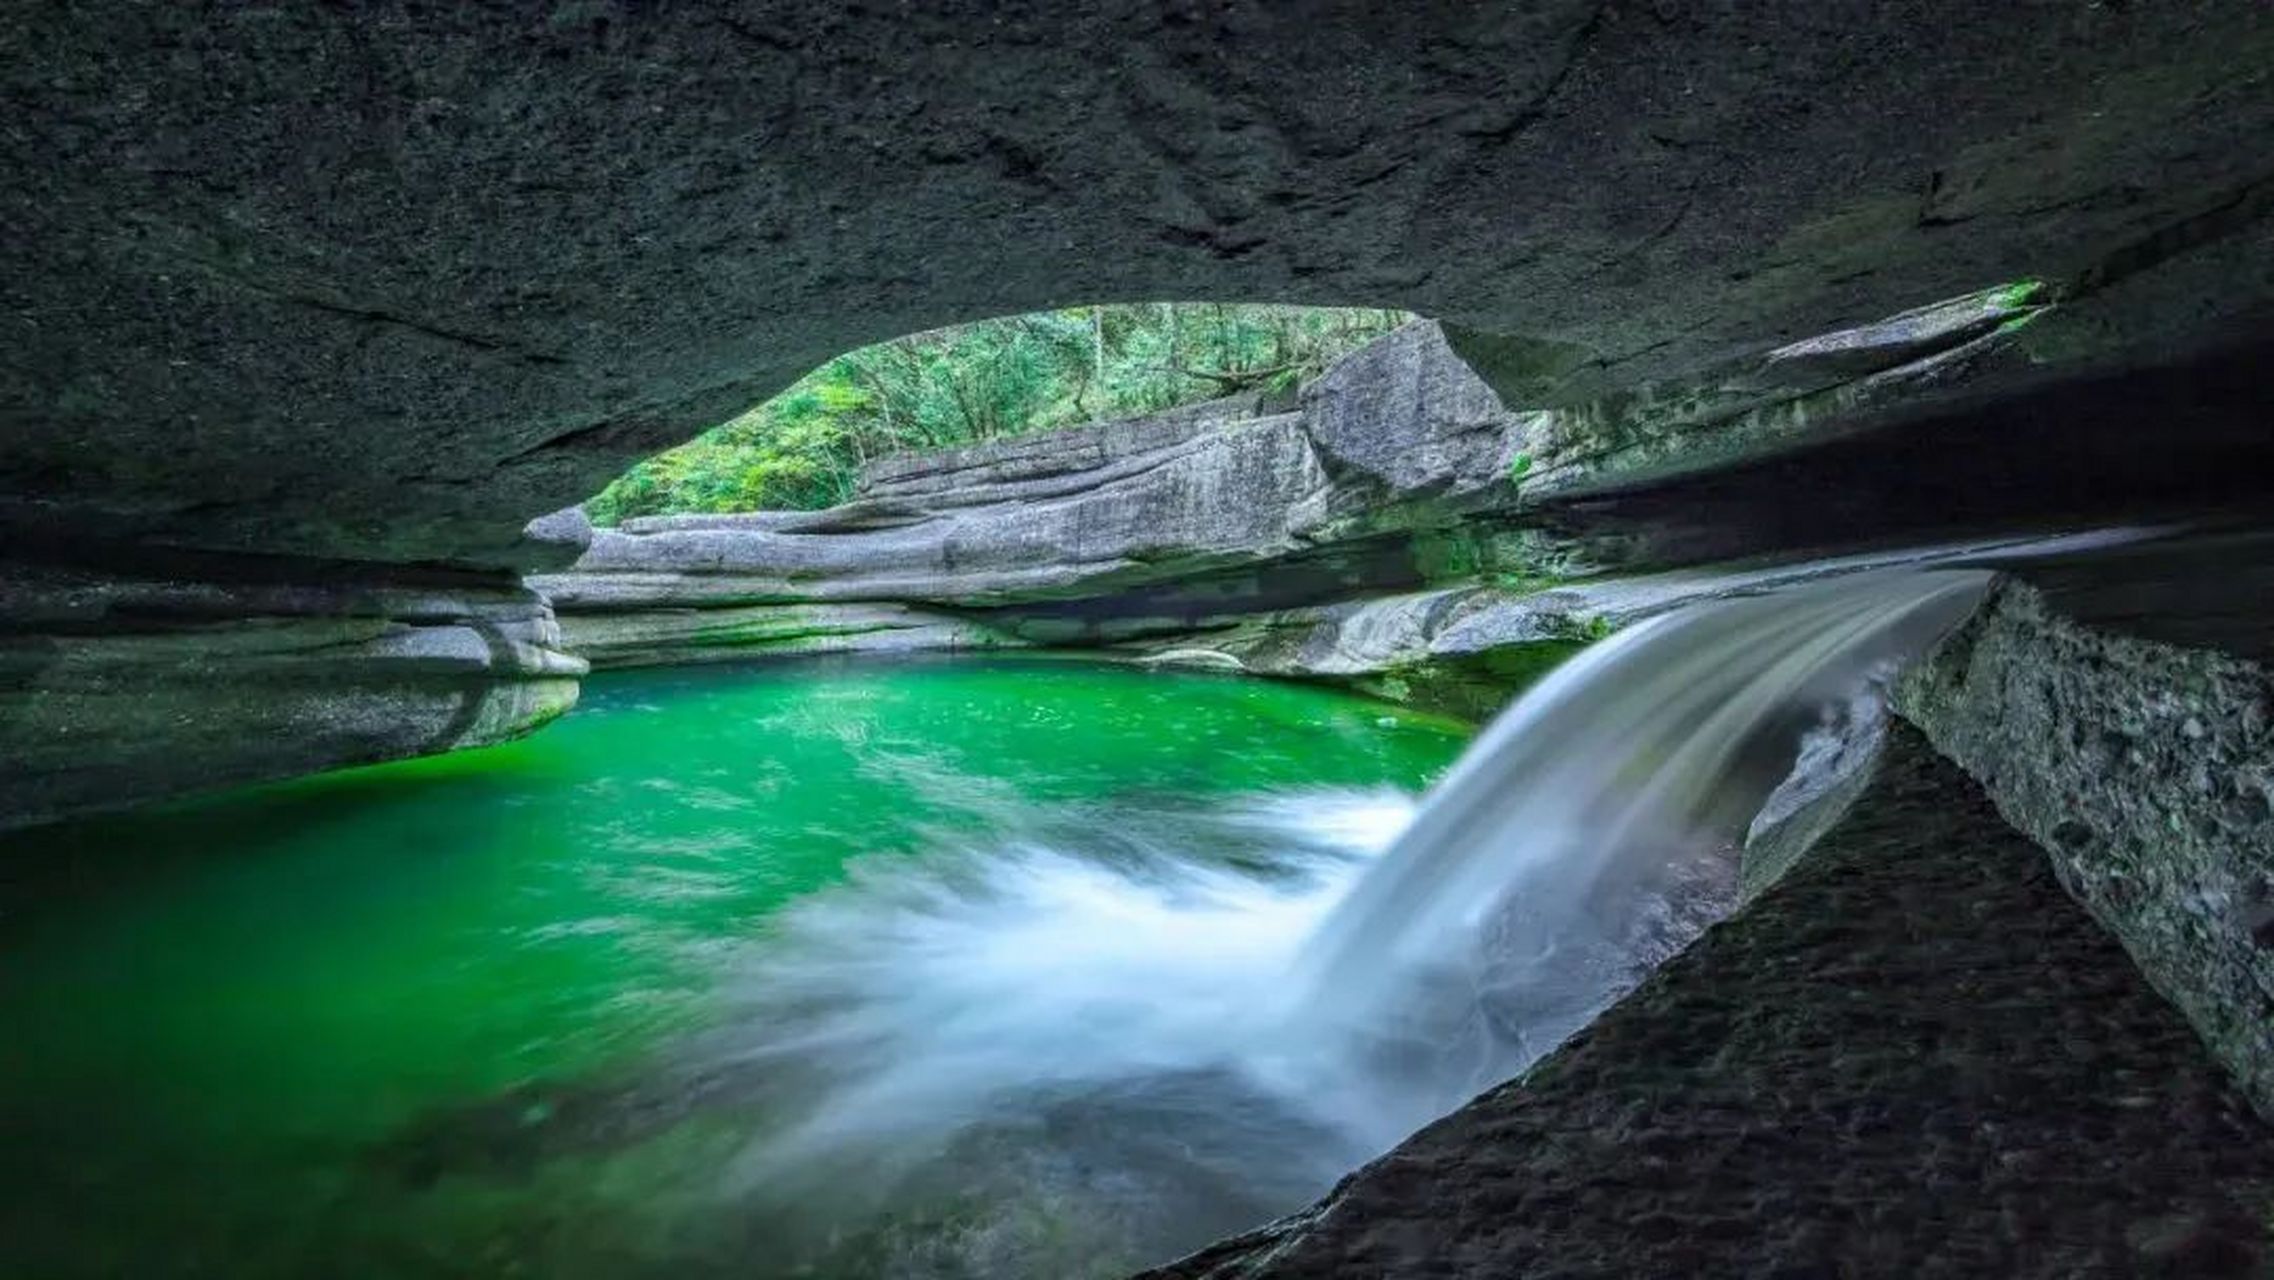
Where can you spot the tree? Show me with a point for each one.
(805, 448)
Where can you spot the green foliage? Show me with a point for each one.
(1519, 467)
(991, 380)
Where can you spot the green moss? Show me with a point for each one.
(2015, 296)
(1475, 687)
(1519, 467)
(1520, 665)
(1447, 557)
(2014, 324)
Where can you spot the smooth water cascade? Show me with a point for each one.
(1565, 847)
(937, 970)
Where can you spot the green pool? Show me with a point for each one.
(509, 1012)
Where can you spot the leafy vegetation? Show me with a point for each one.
(804, 448)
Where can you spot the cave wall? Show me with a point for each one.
(384, 281)
(311, 308)
(2143, 767)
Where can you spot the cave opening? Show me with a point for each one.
(846, 925)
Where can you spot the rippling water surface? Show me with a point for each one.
(925, 970)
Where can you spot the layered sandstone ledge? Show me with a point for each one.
(118, 688)
(1396, 526)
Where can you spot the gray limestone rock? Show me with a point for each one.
(120, 689)
(654, 637)
(1098, 511)
(2145, 769)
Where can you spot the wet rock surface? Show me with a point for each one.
(1467, 650)
(663, 637)
(119, 687)
(1915, 1055)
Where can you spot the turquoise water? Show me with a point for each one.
(825, 971)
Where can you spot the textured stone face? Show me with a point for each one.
(1210, 508)
(1409, 415)
(1465, 650)
(1156, 506)
(2146, 770)
(384, 282)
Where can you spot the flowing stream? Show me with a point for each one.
(930, 970)
(1544, 866)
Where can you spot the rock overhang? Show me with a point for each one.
(379, 285)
